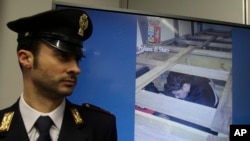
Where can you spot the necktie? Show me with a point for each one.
(43, 125)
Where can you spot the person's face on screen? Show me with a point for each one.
(55, 72)
(183, 92)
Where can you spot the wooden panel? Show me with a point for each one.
(217, 60)
(192, 112)
(200, 71)
(192, 70)
(223, 115)
(152, 128)
(155, 72)
(217, 138)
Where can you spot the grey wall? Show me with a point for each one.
(10, 74)
(222, 10)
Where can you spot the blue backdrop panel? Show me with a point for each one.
(241, 76)
(107, 76)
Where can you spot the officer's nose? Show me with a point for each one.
(74, 67)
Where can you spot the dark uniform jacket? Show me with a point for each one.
(80, 123)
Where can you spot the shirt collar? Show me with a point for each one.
(30, 119)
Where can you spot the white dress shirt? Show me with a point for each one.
(30, 115)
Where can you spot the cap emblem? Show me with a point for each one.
(83, 24)
(6, 121)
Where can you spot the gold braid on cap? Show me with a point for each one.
(83, 24)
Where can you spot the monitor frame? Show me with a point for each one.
(154, 14)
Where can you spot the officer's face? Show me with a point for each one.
(55, 74)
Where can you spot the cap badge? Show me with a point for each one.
(83, 24)
(77, 117)
(6, 121)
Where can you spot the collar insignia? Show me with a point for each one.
(26, 34)
(83, 24)
(77, 117)
(6, 121)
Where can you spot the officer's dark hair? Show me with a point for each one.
(176, 80)
(29, 44)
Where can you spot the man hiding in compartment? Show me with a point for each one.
(191, 88)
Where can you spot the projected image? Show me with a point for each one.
(183, 80)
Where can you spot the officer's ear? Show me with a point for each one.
(25, 58)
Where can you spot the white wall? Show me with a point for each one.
(91, 3)
(222, 10)
(248, 12)
(10, 74)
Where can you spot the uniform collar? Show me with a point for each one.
(30, 119)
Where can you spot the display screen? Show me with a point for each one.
(165, 78)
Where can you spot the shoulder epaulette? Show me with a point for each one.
(6, 121)
(77, 116)
(95, 108)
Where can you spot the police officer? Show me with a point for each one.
(49, 50)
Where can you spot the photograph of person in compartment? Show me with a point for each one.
(185, 87)
(191, 88)
(196, 89)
